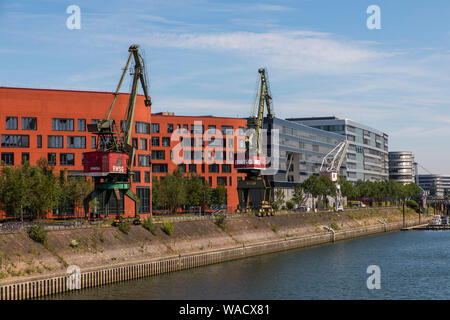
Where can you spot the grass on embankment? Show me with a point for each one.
(99, 246)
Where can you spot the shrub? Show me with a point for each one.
(413, 205)
(38, 233)
(219, 221)
(125, 227)
(290, 205)
(167, 227)
(334, 226)
(74, 243)
(149, 225)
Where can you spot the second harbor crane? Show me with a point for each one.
(255, 191)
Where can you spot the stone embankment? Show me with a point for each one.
(106, 255)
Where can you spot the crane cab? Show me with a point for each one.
(101, 163)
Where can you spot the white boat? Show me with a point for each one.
(435, 221)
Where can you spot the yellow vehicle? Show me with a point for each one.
(357, 204)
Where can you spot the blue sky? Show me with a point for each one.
(203, 56)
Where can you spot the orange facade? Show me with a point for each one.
(52, 124)
(199, 144)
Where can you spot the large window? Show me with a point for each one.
(159, 167)
(144, 160)
(158, 154)
(213, 168)
(143, 144)
(39, 141)
(143, 194)
(11, 123)
(165, 141)
(76, 142)
(137, 176)
(8, 158)
(169, 128)
(142, 127)
(51, 158)
(29, 123)
(15, 140)
(226, 168)
(155, 127)
(67, 159)
(227, 130)
(147, 176)
(81, 124)
(62, 124)
(155, 141)
(55, 141)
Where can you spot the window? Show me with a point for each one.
(134, 142)
(51, 159)
(143, 144)
(55, 141)
(241, 143)
(76, 142)
(39, 141)
(196, 129)
(227, 130)
(142, 127)
(315, 148)
(25, 157)
(158, 154)
(62, 124)
(231, 143)
(182, 167)
(155, 141)
(147, 176)
(192, 168)
(203, 168)
(8, 158)
(144, 160)
(226, 168)
(93, 142)
(166, 142)
(11, 123)
(81, 124)
(169, 128)
(29, 123)
(221, 181)
(212, 129)
(15, 140)
(159, 167)
(143, 193)
(155, 127)
(213, 168)
(137, 176)
(241, 131)
(67, 159)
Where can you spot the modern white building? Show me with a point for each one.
(367, 154)
(401, 167)
(441, 183)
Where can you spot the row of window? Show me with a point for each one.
(225, 130)
(63, 124)
(192, 168)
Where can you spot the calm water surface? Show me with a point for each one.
(414, 265)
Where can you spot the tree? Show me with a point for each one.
(326, 187)
(299, 196)
(310, 187)
(220, 195)
(279, 198)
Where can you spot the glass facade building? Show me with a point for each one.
(401, 167)
(300, 150)
(367, 154)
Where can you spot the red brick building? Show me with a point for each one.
(199, 144)
(52, 124)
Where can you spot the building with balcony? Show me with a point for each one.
(401, 167)
(367, 154)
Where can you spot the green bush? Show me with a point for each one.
(38, 233)
(74, 243)
(219, 221)
(413, 205)
(334, 226)
(289, 205)
(125, 227)
(167, 227)
(149, 225)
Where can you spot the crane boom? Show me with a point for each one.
(114, 151)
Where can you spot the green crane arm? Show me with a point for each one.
(263, 96)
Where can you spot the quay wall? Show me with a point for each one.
(107, 255)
